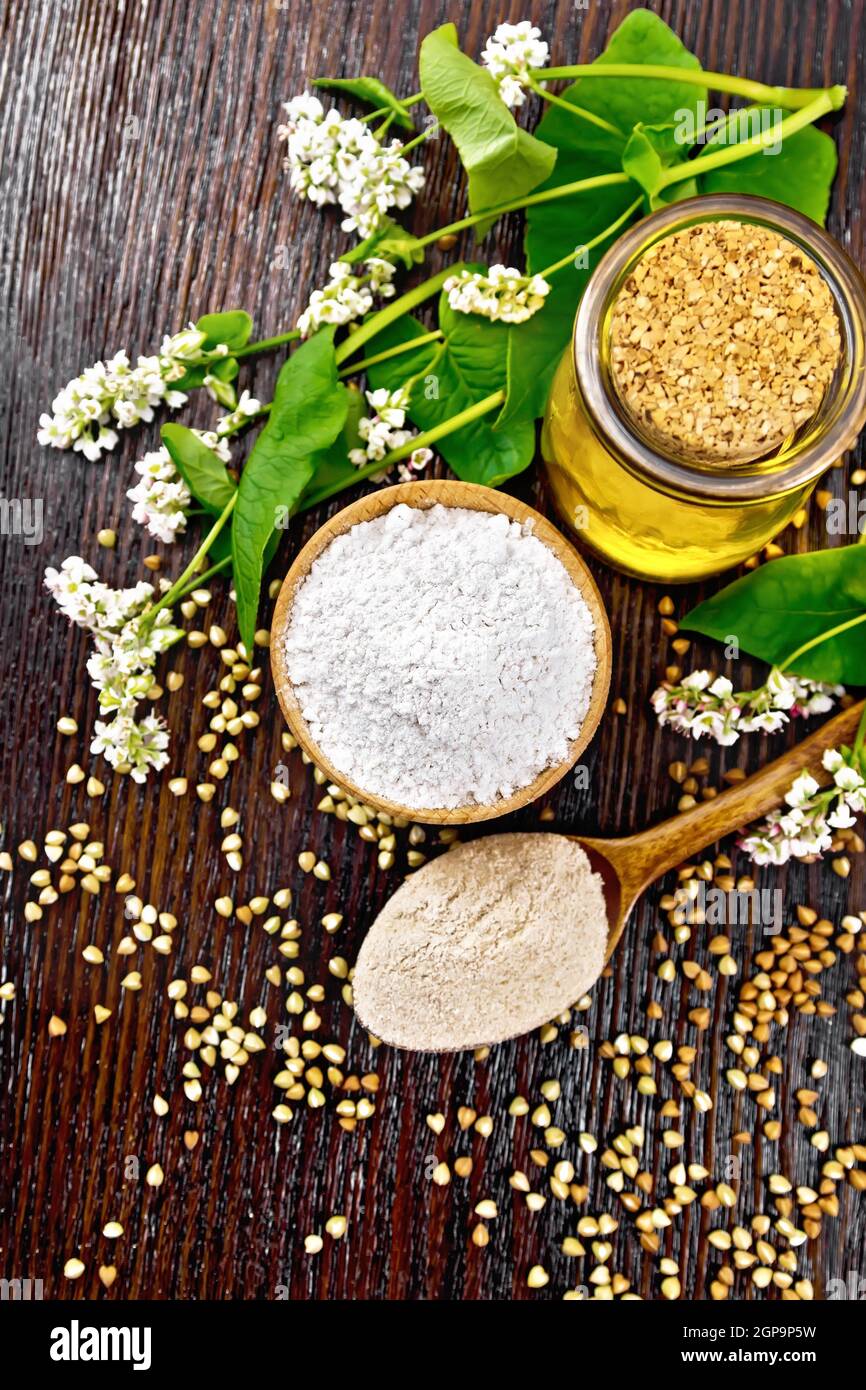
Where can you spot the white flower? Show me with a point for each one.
(503, 294)
(383, 431)
(216, 442)
(133, 747)
(509, 54)
(71, 587)
(336, 159)
(763, 849)
(415, 464)
(348, 297)
(114, 393)
(161, 498)
(697, 680)
(848, 778)
(245, 409)
(842, 818)
(127, 644)
(704, 704)
(802, 791)
(807, 828)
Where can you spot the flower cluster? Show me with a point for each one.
(704, 704)
(115, 395)
(347, 297)
(509, 54)
(812, 816)
(383, 431)
(337, 159)
(126, 647)
(503, 293)
(162, 497)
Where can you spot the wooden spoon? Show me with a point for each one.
(627, 866)
(630, 864)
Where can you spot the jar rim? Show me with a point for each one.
(840, 417)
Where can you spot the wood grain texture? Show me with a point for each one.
(141, 186)
(445, 493)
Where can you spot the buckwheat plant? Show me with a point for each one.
(162, 498)
(503, 294)
(704, 704)
(348, 297)
(338, 159)
(508, 56)
(383, 431)
(806, 825)
(114, 395)
(127, 641)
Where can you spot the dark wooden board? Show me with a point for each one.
(141, 186)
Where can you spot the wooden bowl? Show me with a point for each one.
(476, 498)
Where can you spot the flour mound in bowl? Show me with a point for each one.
(491, 940)
(440, 657)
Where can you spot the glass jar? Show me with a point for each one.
(676, 520)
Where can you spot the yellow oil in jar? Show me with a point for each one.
(637, 527)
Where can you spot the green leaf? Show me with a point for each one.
(502, 161)
(800, 174)
(308, 412)
(333, 465)
(204, 474)
(553, 230)
(625, 101)
(779, 607)
(232, 327)
(649, 151)
(371, 91)
(451, 375)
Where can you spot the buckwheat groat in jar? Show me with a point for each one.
(716, 371)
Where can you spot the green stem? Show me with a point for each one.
(420, 441)
(265, 343)
(398, 307)
(596, 240)
(200, 579)
(823, 637)
(383, 128)
(548, 196)
(716, 159)
(172, 594)
(383, 110)
(395, 310)
(571, 109)
(397, 351)
(860, 736)
(791, 97)
(426, 134)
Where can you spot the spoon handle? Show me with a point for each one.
(654, 851)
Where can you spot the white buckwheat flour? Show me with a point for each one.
(440, 657)
(491, 940)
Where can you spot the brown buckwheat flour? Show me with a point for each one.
(488, 941)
